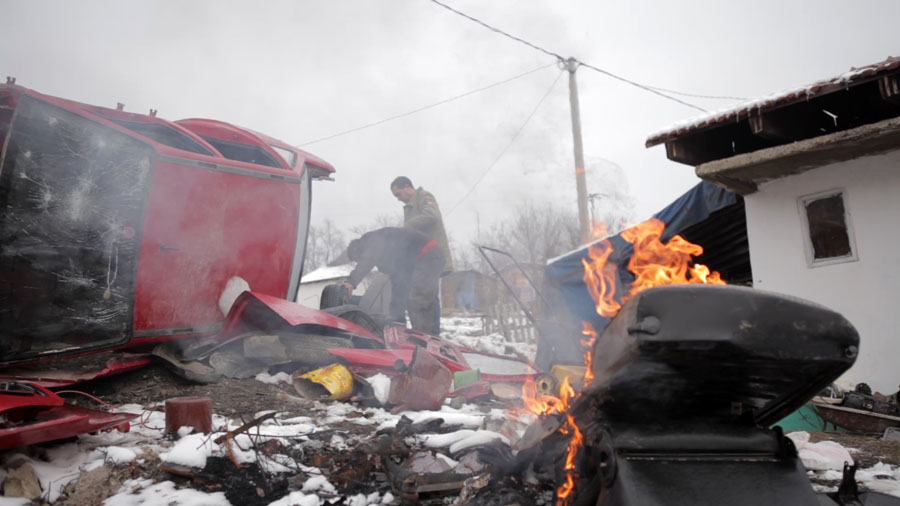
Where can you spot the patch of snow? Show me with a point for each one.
(381, 385)
(298, 499)
(64, 464)
(318, 483)
(273, 379)
(142, 493)
(119, 455)
(800, 438)
(326, 273)
(191, 451)
(447, 460)
(450, 417)
(185, 430)
(734, 112)
(481, 437)
(388, 498)
(337, 442)
(363, 500)
(443, 440)
(824, 455)
(467, 331)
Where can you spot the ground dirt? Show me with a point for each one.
(155, 383)
(357, 468)
(872, 449)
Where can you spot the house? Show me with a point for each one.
(818, 170)
(467, 290)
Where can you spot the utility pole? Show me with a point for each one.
(580, 185)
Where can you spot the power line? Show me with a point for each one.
(508, 145)
(716, 97)
(641, 86)
(501, 32)
(420, 109)
(652, 89)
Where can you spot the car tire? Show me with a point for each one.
(356, 315)
(334, 295)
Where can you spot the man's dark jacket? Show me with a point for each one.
(393, 250)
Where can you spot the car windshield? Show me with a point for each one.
(289, 156)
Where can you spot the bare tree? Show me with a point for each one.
(324, 244)
(379, 221)
(535, 234)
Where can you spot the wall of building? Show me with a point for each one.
(867, 290)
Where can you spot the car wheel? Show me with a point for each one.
(334, 295)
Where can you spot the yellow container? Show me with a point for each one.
(333, 382)
(575, 373)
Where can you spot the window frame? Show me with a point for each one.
(811, 260)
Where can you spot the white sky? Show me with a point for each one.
(301, 70)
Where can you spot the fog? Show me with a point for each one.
(303, 70)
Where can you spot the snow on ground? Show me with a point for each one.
(327, 428)
(824, 462)
(467, 331)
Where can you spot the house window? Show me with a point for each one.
(830, 238)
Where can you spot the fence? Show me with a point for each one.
(510, 321)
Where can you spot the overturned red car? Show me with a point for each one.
(121, 230)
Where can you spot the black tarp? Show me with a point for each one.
(706, 215)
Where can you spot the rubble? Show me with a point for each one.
(22, 482)
(280, 449)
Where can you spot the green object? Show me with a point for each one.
(806, 418)
(463, 378)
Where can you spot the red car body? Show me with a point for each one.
(119, 229)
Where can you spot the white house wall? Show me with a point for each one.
(866, 291)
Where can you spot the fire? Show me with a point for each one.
(550, 404)
(599, 229)
(653, 263)
(564, 490)
(546, 404)
(588, 330)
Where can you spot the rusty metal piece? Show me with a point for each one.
(856, 420)
(195, 411)
(423, 386)
(472, 390)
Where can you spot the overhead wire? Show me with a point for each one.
(641, 86)
(652, 89)
(420, 109)
(508, 145)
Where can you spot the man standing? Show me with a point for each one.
(421, 212)
(414, 263)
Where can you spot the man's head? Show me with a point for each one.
(353, 249)
(403, 189)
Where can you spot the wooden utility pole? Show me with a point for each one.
(580, 185)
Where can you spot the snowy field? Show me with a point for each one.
(321, 428)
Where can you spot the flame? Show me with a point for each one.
(599, 229)
(564, 490)
(600, 278)
(653, 263)
(588, 330)
(546, 404)
(549, 404)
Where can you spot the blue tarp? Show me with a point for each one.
(568, 296)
